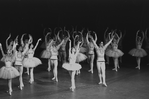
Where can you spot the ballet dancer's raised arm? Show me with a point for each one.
(146, 38)
(3, 54)
(59, 45)
(46, 41)
(7, 41)
(69, 47)
(109, 42)
(137, 37)
(142, 37)
(78, 48)
(81, 33)
(94, 42)
(87, 38)
(37, 44)
(15, 43)
(119, 37)
(22, 42)
(95, 36)
(30, 39)
(105, 34)
(73, 37)
(58, 38)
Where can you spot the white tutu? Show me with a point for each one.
(46, 54)
(71, 67)
(114, 53)
(31, 62)
(83, 49)
(8, 72)
(81, 57)
(138, 52)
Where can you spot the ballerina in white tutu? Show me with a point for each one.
(138, 52)
(25, 46)
(80, 56)
(8, 71)
(72, 66)
(46, 53)
(30, 61)
(100, 51)
(115, 53)
(19, 56)
(91, 47)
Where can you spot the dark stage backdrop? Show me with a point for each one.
(32, 16)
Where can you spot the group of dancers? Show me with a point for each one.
(81, 46)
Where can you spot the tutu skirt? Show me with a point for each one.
(46, 54)
(83, 49)
(31, 62)
(138, 52)
(8, 72)
(114, 53)
(81, 57)
(71, 67)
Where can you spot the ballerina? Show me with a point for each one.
(81, 56)
(19, 56)
(62, 51)
(115, 53)
(25, 46)
(91, 47)
(30, 61)
(100, 51)
(72, 66)
(8, 71)
(53, 59)
(138, 52)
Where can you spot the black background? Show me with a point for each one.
(32, 16)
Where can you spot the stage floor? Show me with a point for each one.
(126, 83)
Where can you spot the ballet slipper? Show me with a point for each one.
(31, 81)
(105, 84)
(72, 88)
(10, 92)
(21, 87)
(27, 73)
(90, 71)
(138, 67)
(100, 83)
(114, 69)
(53, 78)
(49, 69)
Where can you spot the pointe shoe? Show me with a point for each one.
(27, 73)
(72, 88)
(53, 78)
(90, 71)
(10, 92)
(31, 81)
(138, 67)
(114, 69)
(105, 84)
(100, 83)
(21, 86)
(49, 69)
